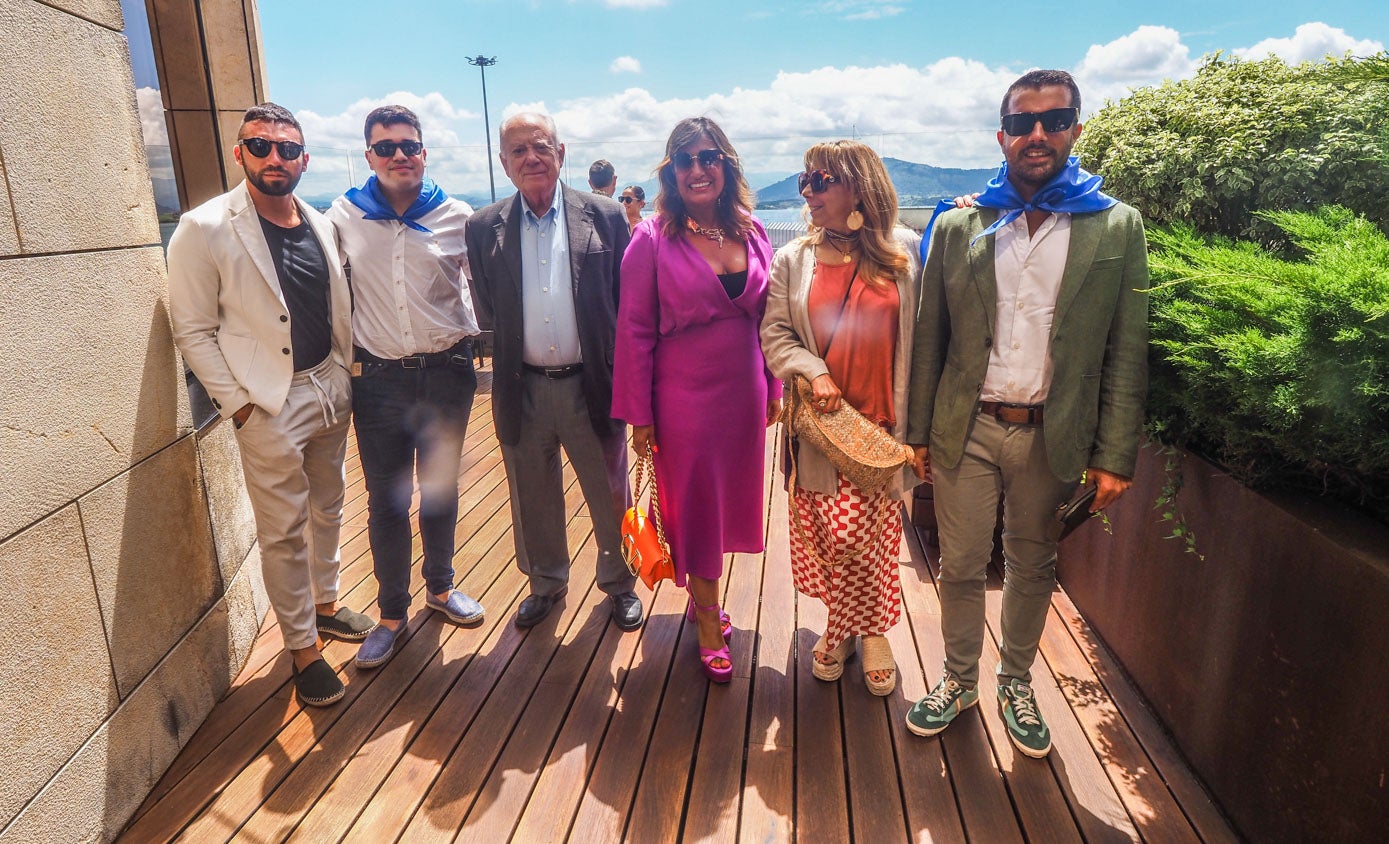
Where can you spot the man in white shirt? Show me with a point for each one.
(413, 381)
(1029, 369)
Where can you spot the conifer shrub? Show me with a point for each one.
(1275, 365)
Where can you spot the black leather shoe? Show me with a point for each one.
(626, 610)
(535, 607)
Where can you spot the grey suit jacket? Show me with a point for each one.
(598, 236)
(1099, 341)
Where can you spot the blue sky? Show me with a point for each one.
(919, 80)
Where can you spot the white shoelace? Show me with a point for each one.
(1024, 706)
(940, 698)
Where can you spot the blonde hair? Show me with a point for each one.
(860, 170)
(734, 209)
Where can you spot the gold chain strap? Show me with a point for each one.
(646, 464)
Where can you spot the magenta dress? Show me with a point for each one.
(688, 361)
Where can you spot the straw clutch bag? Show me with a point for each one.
(863, 452)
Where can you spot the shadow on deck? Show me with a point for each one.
(576, 731)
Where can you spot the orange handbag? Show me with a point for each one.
(644, 546)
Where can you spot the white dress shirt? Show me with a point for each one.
(410, 288)
(1028, 272)
(551, 327)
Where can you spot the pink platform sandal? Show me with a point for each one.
(724, 621)
(708, 655)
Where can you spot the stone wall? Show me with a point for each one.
(129, 582)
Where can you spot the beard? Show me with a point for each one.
(269, 188)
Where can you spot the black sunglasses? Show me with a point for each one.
(1053, 120)
(260, 148)
(626, 200)
(386, 149)
(706, 158)
(819, 180)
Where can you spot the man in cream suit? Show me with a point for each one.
(262, 316)
(1029, 368)
(546, 264)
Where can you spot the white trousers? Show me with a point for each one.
(293, 463)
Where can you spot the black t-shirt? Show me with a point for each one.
(303, 273)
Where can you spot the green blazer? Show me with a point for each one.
(1099, 341)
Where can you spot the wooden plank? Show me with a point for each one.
(769, 775)
(1115, 697)
(822, 805)
(390, 809)
(297, 793)
(928, 794)
(612, 785)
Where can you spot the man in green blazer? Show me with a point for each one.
(1029, 368)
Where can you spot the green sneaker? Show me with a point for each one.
(934, 712)
(1025, 725)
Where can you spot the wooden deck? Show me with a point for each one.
(577, 731)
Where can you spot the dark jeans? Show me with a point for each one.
(411, 422)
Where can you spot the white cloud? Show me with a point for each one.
(152, 125)
(625, 64)
(1146, 56)
(1311, 42)
(945, 114)
(633, 4)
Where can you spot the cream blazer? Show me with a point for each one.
(230, 319)
(790, 349)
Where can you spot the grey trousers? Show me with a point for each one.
(554, 413)
(293, 468)
(1011, 460)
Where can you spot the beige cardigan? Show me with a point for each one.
(789, 346)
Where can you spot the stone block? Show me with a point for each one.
(9, 234)
(93, 796)
(233, 522)
(91, 187)
(178, 53)
(230, 61)
(91, 384)
(228, 125)
(197, 157)
(56, 686)
(105, 12)
(152, 558)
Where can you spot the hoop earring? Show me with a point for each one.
(855, 221)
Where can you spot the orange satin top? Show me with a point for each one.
(865, 340)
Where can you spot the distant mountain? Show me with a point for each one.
(917, 185)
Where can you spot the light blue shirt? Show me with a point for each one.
(551, 329)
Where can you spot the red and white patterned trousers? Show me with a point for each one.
(860, 535)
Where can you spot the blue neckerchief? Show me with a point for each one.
(369, 198)
(1072, 191)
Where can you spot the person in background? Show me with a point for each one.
(633, 200)
(602, 177)
(841, 314)
(555, 316)
(262, 315)
(413, 381)
(689, 374)
(1029, 370)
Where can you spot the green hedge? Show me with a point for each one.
(1276, 366)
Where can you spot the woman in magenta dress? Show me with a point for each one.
(689, 376)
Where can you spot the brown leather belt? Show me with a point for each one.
(1017, 414)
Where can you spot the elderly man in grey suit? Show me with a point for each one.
(262, 315)
(545, 265)
(1029, 368)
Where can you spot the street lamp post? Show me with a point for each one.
(482, 62)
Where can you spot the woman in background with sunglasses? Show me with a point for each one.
(841, 313)
(689, 375)
(633, 199)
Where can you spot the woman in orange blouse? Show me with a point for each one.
(841, 312)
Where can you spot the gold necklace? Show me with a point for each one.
(714, 233)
